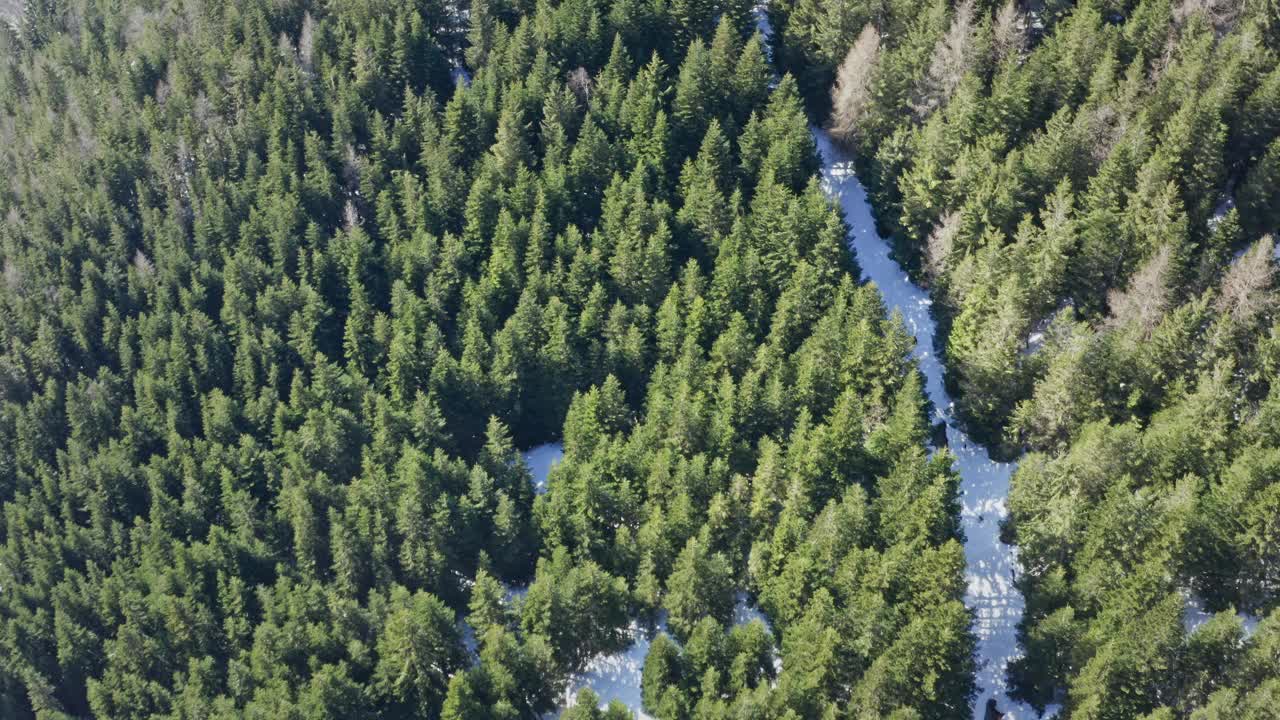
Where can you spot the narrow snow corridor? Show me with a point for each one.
(984, 483)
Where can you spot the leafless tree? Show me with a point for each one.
(580, 83)
(1105, 128)
(1247, 283)
(1222, 14)
(142, 263)
(1143, 303)
(13, 275)
(164, 86)
(11, 12)
(350, 215)
(851, 95)
(352, 168)
(950, 61)
(938, 247)
(1010, 31)
(285, 48)
(306, 41)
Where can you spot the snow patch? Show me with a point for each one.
(1035, 341)
(765, 28)
(540, 460)
(1227, 204)
(991, 566)
(460, 74)
(617, 676)
(744, 612)
(1194, 615)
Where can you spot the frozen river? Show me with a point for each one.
(984, 487)
(984, 483)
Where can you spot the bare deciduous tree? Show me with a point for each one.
(13, 275)
(1105, 128)
(1009, 32)
(306, 41)
(142, 263)
(580, 83)
(938, 246)
(1143, 303)
(1222, 14)
(1246, 285)
(851, 95)
(350, 215)
(284, 46)
(950, 61)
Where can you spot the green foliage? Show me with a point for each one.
(283, 293)
(1087, 189)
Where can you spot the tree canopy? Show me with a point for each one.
(287, 284)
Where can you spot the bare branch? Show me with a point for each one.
(1143, 303)
(1246, 285)
(950, 61)
(1010, 31)
(851, 96)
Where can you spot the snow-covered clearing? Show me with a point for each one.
(984, 483)
(617, 676)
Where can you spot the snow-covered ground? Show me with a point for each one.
(984, 483)
(765, 28)
(617, 676)
(460, 75)
(540, 460)
(1194, 615)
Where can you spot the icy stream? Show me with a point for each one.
(984, 484)
(990, 564)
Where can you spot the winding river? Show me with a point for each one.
(984, 484)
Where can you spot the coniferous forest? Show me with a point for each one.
(289, 285)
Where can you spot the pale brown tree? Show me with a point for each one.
(1143, 303)
(1009, 32)
(951, 59)
(1246, 286)
(851, 96)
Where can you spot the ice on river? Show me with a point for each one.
(984, 483)
(540, 460)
